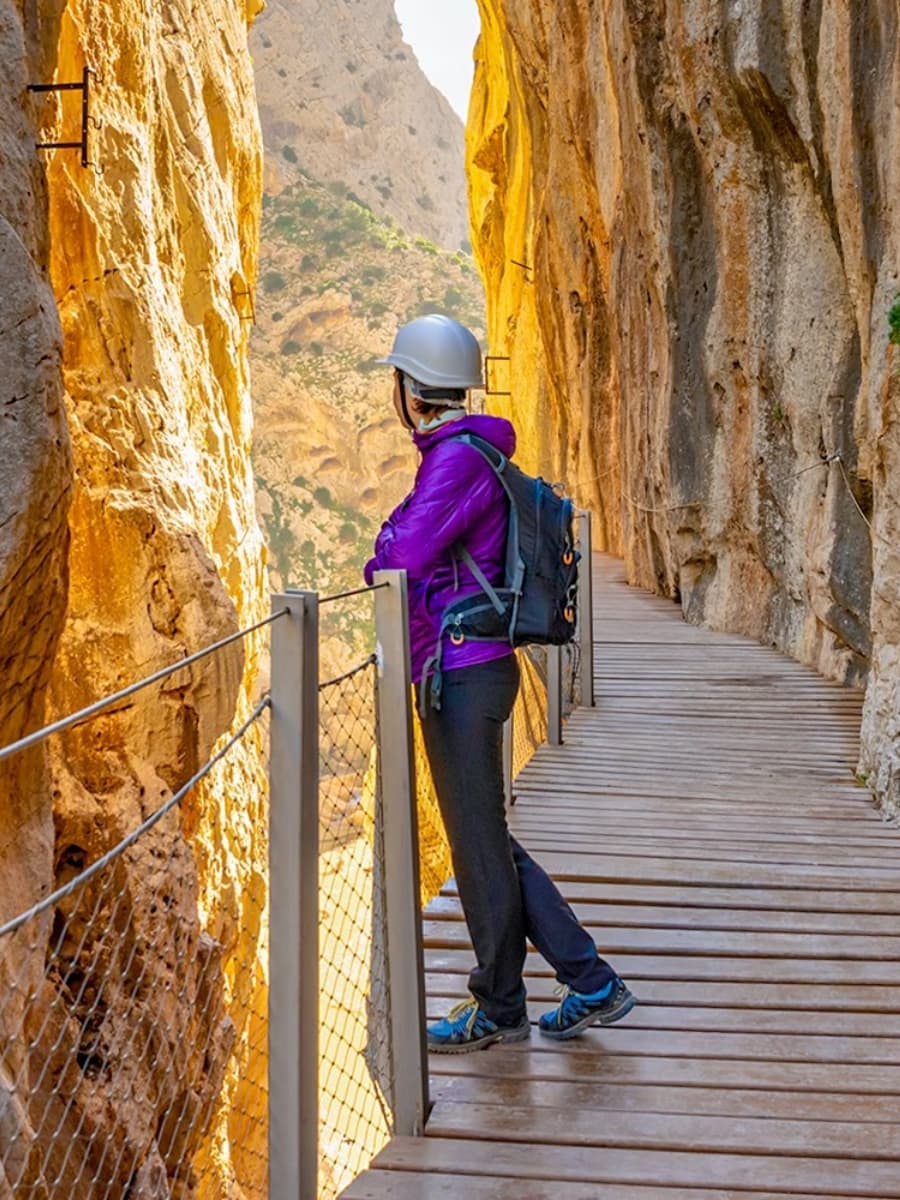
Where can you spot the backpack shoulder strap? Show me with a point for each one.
(480, 576)
(498, 461)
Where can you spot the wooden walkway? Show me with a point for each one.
(705, 823)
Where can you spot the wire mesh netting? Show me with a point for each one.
(132, 1018)
(571, 678)
(435, 864)
(529, 719)
(355, 1102)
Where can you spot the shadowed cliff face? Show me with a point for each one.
(149, 262)
(35, 485)
(704, 193)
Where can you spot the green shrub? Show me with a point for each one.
(273, 281)
(894, 322)
(322, 496)
(352, 114)
(316, 348)
(289, 153)
(291, 347)
(277, 316)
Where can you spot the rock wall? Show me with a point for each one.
(705, 198)
(35, 470)
(35, 484)
(151, 254)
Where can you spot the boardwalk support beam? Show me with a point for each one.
(586, 610)
(406, 970)
(294, 900)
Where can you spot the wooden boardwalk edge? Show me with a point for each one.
(705, 823)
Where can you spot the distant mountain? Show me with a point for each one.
(330, 456)
(363, 217)
(343, 99)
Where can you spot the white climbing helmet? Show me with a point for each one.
(437, 352)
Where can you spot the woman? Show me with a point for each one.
(506, 897)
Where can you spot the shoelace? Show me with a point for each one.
(458, 1009)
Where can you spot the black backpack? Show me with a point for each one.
(536, 603)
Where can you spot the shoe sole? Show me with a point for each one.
(516, 1034)
(622, 1009)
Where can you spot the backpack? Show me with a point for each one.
(536, 603)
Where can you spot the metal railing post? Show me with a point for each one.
(406, 970)
(508, 764)
(554, 695)
(294, 900)
(586, 612)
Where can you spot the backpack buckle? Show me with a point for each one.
(457, 637)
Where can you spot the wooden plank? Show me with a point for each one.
(690, 967)
(710, 1134)
(637, 896)
(649, 1098)
(819, 997)
(776, 852)
(690, 828)
(582, 1064)
(708, 942)
(639, 795)
(424, 1185)
(643, 916)
(732, 1020)
(623, 1039)
(847, 1177)
(647, 869)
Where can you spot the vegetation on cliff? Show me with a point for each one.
(330, 457)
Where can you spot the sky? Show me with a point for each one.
(443, 34)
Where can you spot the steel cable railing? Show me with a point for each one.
(228, 998)
(355, 1101)
(128, 1035)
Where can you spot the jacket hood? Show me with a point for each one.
(496, 430)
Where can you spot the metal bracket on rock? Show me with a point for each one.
(87, 119)
(488, 361)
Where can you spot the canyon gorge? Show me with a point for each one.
(685, 218)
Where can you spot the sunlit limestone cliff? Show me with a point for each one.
(151, 253)
(687, 218)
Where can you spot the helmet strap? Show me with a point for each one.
(404, 407)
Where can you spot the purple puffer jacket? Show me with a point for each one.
(456, 498)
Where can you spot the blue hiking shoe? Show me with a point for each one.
(579, 1010)
(467, 1028)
